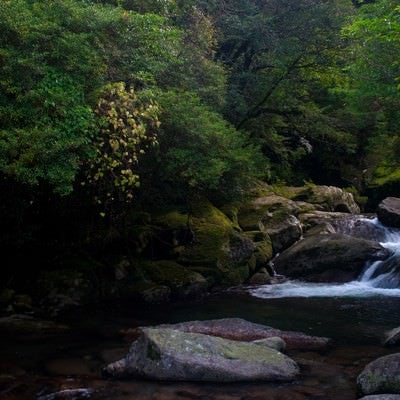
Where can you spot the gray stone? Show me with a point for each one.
(389, 212)
(381, 376)
(69, 394)
(329, 198)
(170, 355)
(283, 231)
(382, 397)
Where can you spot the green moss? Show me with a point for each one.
(290, 192)
(264, 253)
(212, 230)
(170, 273)
(172, 220)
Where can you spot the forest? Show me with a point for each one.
(157, 151)
(110, 106)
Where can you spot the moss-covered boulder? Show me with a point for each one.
(381, 376)
(182, 282)
(263, 251)
(275, 216)
(216, 248)
(171, 355)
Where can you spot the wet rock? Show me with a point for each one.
(166, 354)
(317, 219)
(389, 212)
(283, 231)
(381, 376)
(275, 343)
(382, 397)
(68, 394)
(393, 337)
(329, 258)
(30, 327)
(242, 330)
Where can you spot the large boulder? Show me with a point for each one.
(275, 216)
(389, 212)
(171, 355)
(329, 198)
(245, 331)
(329, 258)
(381, 376)
(216, 249)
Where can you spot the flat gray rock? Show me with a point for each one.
(170, 355)
(244, 331)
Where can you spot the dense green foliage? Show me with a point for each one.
(123, 104)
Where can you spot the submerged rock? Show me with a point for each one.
(382, 397)
(389, 212)
(29, 327)
(242, 330)
(329, 258)
(68, 394)
(171, 355)
(381, 376)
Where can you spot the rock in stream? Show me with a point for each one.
(171, 355)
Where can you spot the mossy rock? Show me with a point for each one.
(263, 253)
(254, 213)
(329, 198)
(216, 246)
(170, 273)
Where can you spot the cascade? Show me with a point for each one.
(378, 278)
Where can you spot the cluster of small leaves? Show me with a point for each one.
(129, 124)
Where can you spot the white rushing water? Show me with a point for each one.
(380, 278)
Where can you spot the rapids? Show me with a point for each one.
(380, 278)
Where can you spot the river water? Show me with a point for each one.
(355, 315)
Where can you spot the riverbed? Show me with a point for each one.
(35, 367)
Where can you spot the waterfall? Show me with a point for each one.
(385, 274)
(378, 278)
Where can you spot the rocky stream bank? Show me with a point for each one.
(311, 233)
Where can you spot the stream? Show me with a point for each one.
(355, 315)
